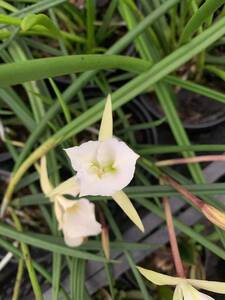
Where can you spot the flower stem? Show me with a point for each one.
(19, 277)
(213, 214)
(173, 240)
(184, 192)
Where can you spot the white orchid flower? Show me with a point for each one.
(106, 166)
(103, 167)
(76, 218)
(186, 289)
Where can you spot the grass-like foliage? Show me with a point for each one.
(59, 62)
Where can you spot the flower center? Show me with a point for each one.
(101, 170)
(73, 209)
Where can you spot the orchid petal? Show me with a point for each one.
(126, 205)
(79, 219)
(190, 293)
(73, 242)
(61, 204)
(76, 219)
(212, 286)
(158, 278)
(81, 156)
(178, 294)
(46, 185)
(68, 187)
(122, 156)
(205, 297)
(65, 203)
(106, 127)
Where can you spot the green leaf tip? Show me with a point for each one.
(30, 21)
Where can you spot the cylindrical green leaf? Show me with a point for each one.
(19, 72)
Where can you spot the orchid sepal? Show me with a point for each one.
(106, 127)
(126, 205)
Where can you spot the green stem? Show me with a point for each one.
(45, 147)
(19, 277)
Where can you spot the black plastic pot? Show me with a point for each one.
(196, 111)
(141, 114)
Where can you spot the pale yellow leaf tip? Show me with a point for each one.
(106, 128)
(126, 205)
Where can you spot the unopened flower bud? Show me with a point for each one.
(214, 215)
(105, 242)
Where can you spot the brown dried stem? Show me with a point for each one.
(195, 159)
(173, 240)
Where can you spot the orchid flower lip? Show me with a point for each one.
(103, 167)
